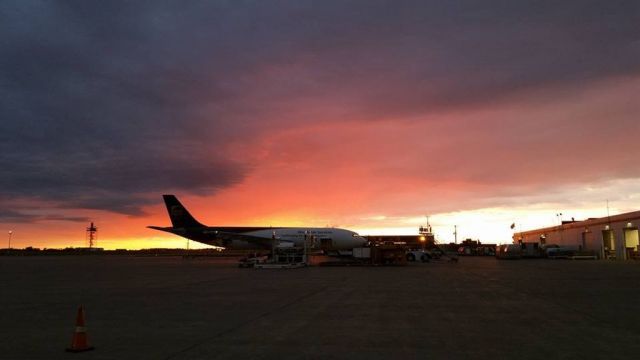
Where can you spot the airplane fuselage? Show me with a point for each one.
(263, 237)
(236, 237)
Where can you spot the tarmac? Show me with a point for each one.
(172, 308)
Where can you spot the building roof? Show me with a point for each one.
(635, 215)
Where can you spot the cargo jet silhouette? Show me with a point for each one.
(237, 237)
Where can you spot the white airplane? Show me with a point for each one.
(236, 237)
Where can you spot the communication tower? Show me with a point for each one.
(92, 235)
(426, 235)
(426, 230)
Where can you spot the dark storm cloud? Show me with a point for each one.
(93, 120)
(16, 217)
(104, 105)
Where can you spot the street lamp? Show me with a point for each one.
(10, 233)
(559, 215)
(455, 234)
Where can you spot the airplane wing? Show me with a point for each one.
(261, 242)
(206, 236)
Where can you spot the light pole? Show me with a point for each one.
(10, 233)
(304, 254)
(273, 246)
(559, 215)
(455, 234)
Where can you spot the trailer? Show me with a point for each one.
(381, 254)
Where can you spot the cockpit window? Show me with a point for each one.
(355, 234)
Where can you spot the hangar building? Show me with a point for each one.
(612, 237)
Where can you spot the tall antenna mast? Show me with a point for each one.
(92, 235)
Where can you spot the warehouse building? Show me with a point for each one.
(612, 237)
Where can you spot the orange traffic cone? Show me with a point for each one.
(79, 342)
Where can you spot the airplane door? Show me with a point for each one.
(326, 243)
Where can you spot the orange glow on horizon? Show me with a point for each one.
(381, 176)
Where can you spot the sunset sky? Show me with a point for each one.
(366, 115)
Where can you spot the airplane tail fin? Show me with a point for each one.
(180, 217)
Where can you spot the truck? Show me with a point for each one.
(418, 255)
